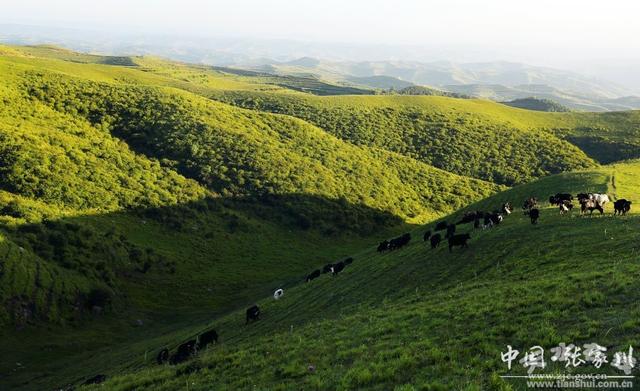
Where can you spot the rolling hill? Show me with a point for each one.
(142, 200)
(419, 318)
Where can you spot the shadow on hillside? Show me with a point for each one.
(163, 267)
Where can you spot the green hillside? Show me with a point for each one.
(426, 319)
(537, 104)
(142, 200)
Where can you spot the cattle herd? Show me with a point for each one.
(481, 220)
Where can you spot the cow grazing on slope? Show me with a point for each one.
(184, 352)
(451, 230)
(97, 379)
(435, 240)
(337, 268)
(621, 207)
(590, 205)
(207, 338)
(565, 207)
(441, 226)
(383, 246)
(253, 314)
(314, 275)
(507, 208)
(327, 268)
(529, 204)
(534, 214)
(459, 240)
(426, 235)
(559, 198)
(163, 356)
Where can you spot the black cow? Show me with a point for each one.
(476, 222)
(207, 338)
(327, 268)
(451, 230)
(558, 198)
(441, 226)
(337, 268)
(400, 241)
(348, 261)
(435, 240)
(426, 235)
(529, 204)
(469, 217)
(162, 357)
(621, 207)
(253, 314)
(534, 214)
(459, 240)
(316, 273)
(97, 379)
(184, 352)
(383, 246)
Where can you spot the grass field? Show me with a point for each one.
(142, 200)
(426, 319)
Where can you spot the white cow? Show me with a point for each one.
(278, 294)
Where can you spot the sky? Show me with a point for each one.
(564, 33)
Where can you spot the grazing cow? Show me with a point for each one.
(507, 208)
(459, 240)
(487, 222)
(253, 314)
(163, 356)
(316, 273)
(476, 222)
(435, 240)
(441, 226)
(278, 294)
(207, 338)
(496, 218)
(348, 261)
(529, 204)
(469, 217)
(97, 379)
(400, 241)
(621, 206)
(600, 199)
(559, 198)
(451, 230)
(337, 268)
(534, 214)
(383, 246)
(590, 205)
(184, 352)
(583, 196)
(426, 235)
(565, 206)
(327, 268)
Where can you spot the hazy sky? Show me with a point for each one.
(555, 32)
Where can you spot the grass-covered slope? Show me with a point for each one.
(468, 137)
(418, 318)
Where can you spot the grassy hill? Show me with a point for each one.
(537, 104)
(142, 200)
(429, 319)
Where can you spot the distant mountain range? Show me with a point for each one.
(499, 81)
